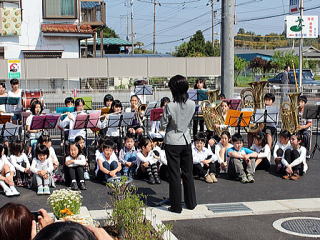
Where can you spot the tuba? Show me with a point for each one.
(253, 97)
(212, 112)
(290, 113)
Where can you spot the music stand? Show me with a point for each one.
(51, 121)
(238, 119)
(233, 103)
(10, 130)
(267, 115)
(87, 102)
(156, 114)
(313, 112)
(143, 90)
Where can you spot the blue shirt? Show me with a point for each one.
(243, 150)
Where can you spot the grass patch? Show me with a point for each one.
(317, 77)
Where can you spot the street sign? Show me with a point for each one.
(307, 26)
(294, 6)
(14, 69)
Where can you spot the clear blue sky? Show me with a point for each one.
(176, 20)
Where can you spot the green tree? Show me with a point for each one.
(196, 45)
(239, 66)
(281, 59)
(108, 32)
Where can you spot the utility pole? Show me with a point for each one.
(213, 16)
(301, 48)
(227, 47)
(132, 32)
(154, 26)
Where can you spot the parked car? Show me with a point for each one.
(307, 77)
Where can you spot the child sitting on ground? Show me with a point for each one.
(108, 165)
(42, 168)
(221, 149)
(261, 146)
(294, 162)
(21, 163)
(147, 161)
(6, 174)
(279, 149)
(163, 163)
(75, 162)
(241, 160)
(203, 159)
(128, 156)
(80, 140)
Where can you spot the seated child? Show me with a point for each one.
(261, 146)
(221, 149)
(157, 151)
(108, 165)
(241, 160)
(128, 156)
(279, 149)
(305, 125)
(6, 174)
(147, 161)
(80, 140)
(42, 168)
(75, 163)
(203, 159)
(46, 140)
(21, 163)
(270, 128)
(294, 162)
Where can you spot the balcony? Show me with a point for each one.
(93, 12)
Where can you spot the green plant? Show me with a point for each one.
(65, 202)
(128, 214)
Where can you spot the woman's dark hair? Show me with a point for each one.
(33, 106)
(261, 136)
(226, 133)
(78, 101)
(43, 139)
(77, 145)
(143, 142)
(200, 136)
(269, 96)
(164, 100)
(179, 88)
(14, 81)
(200, 81)
(299, 137)
(42, 149)
(3, 84)
(115, 103)
(237, 138)
(16, 147)
(285, 133)
(69, 100)
(15, 222)
(5, 148)
(107, 98)
(78, 138)
(65, 231)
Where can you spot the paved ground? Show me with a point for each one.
(240, 228)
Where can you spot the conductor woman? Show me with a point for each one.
(176, 120)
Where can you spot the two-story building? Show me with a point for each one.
(47, 28)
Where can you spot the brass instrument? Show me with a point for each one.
(290, 113)
(212, 112)
(253, 97)
(140, 112)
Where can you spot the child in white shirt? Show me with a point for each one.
(221, 149)
(42, 168)
(108, 165)
(280, 148)
(82, 143)
(21, 163)
(294, 162)
(203, 159)
(6, 174)
(261, 146)
(147, 161)
(75, 163)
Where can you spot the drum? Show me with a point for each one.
(29, 95)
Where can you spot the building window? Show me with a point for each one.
(9, 3)
(59, 8)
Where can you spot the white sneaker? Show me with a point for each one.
(40, 190)
(9, 193)
(46, 190)
(14, 191)
(86, 176)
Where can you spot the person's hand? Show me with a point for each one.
(223, 165)
(211, 142)
(99, 233)
(128, 164)
(69, 162)
(44, 218)
(246, 157)
(145, 164)
(289, 169)
(33, 229)
(27, 170)
(70, 116)
(112, 173)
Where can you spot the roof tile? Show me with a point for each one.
(66, 28)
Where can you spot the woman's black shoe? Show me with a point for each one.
(157, 180)
(74, 186)
(82, 186)
(151, 180)
(175, 211)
